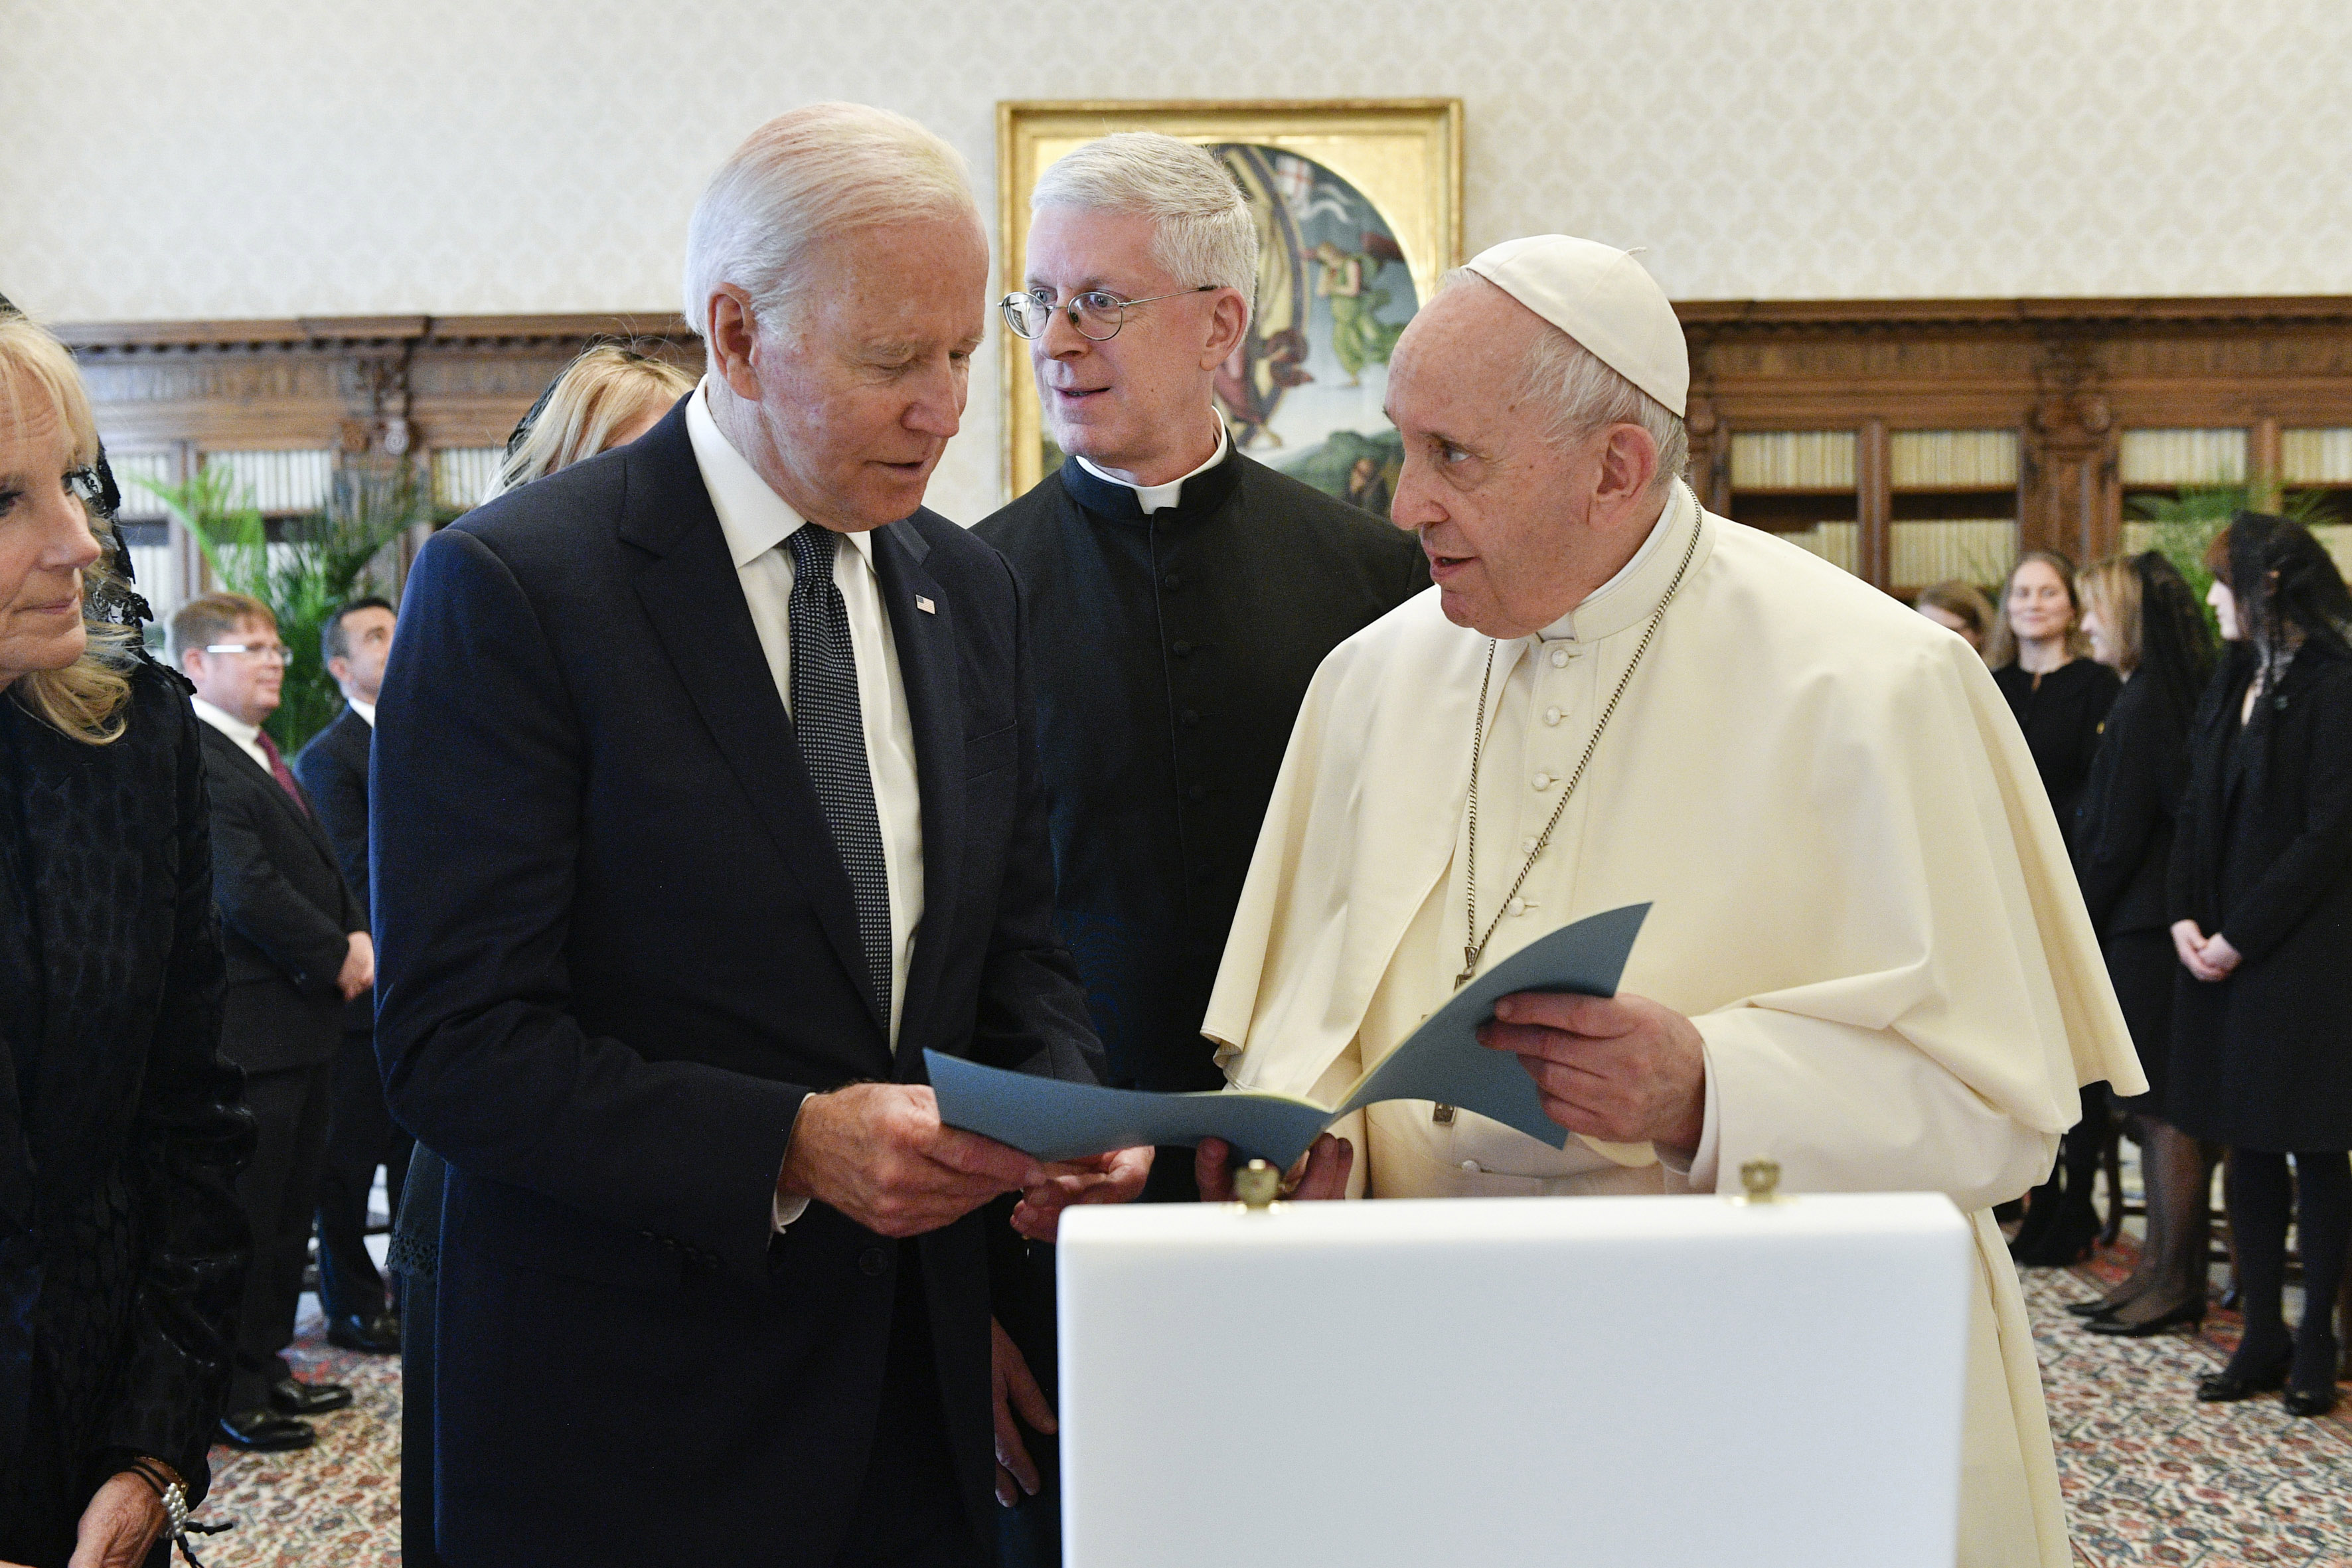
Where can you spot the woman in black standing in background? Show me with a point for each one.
(2261, 896)
(121, 1243)
(2061, 697)
(2144, 624)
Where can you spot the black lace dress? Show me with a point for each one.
(122, 1244)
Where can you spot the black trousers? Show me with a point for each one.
(361, 1136)
(909, 1511)
(280, 1194)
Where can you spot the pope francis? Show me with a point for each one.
(1868, 959)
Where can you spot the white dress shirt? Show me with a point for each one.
(757, 521)
(246, 736)
(366, 710)
(1151, 498)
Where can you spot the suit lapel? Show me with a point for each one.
(305, 822)
(925, 643)
(694, 599)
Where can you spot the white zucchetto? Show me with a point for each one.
(1603, 299)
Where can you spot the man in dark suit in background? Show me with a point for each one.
(361, 1134)
(706, 800)
(297, 951)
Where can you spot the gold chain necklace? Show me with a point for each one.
(1475, 946)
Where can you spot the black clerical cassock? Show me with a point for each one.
(1172, 650)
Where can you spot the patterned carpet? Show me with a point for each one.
(334, 1505)
(2151, 1476)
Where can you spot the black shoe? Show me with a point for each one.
(2192, 1313)
(2227, 1387)
(2098, 1308)
(378, 1335)
(295, 1397)
(2309, 1401)
(2064, 1241)
(265, 1431)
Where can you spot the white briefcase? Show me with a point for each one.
(1641, 1383)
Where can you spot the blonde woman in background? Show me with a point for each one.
(122, 1246)
(606, 398)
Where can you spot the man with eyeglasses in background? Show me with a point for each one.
(297, 949)
(1179, 596)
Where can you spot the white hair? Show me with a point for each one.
(1202, 227)
(803, 178)
(1585, 395)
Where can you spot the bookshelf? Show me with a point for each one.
(1800, 484)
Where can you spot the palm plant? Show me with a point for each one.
(319, 565)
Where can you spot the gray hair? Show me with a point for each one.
(803, 178)
(1585, 395)
(1202, 229)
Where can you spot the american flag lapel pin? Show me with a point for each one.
(926, 605)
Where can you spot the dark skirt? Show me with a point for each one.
(2142, 964)
(2248, 1074)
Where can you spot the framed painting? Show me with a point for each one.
(1358, 210)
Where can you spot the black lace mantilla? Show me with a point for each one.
(113, 597)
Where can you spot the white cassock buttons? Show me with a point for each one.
(1471, 1166)
(1527, 845)
(1543, 781)
(1559, 658)
(1551, 715)
(1518, 906)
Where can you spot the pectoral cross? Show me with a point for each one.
(1469, 967)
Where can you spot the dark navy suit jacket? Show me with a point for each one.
(617, 949)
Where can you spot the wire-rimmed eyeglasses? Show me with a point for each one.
(269, 652)
(1094, 314)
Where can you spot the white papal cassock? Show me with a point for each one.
(1863, 900)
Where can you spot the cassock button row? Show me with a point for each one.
(1180, 649)
(1172, 582)
(1188, 718)
(1527, 845)
(1198, 792)
(1551, 715)
(873, 1263)
(1560, 657)
(1543, 781)
(1471, 1166)
(1518, 906)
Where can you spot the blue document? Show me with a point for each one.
(1441, 1061)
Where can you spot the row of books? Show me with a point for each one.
(1973, 548)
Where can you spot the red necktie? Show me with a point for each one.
(280, 772)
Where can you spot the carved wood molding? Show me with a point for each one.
(378, 386)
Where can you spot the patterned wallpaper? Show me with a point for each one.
(277, 158)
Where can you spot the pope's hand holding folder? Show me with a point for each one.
(1444, 1062)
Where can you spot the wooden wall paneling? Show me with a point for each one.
(2070, 376)
(1873, 481)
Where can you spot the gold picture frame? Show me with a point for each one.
(1400, 157)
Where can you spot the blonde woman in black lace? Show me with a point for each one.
(122, 1244)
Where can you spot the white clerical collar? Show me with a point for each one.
(754, 518)
(1151, 498)
(366, 710)
(1564, 628)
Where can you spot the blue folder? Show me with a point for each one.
(1441, 1061)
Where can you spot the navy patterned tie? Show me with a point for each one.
(832, 734)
